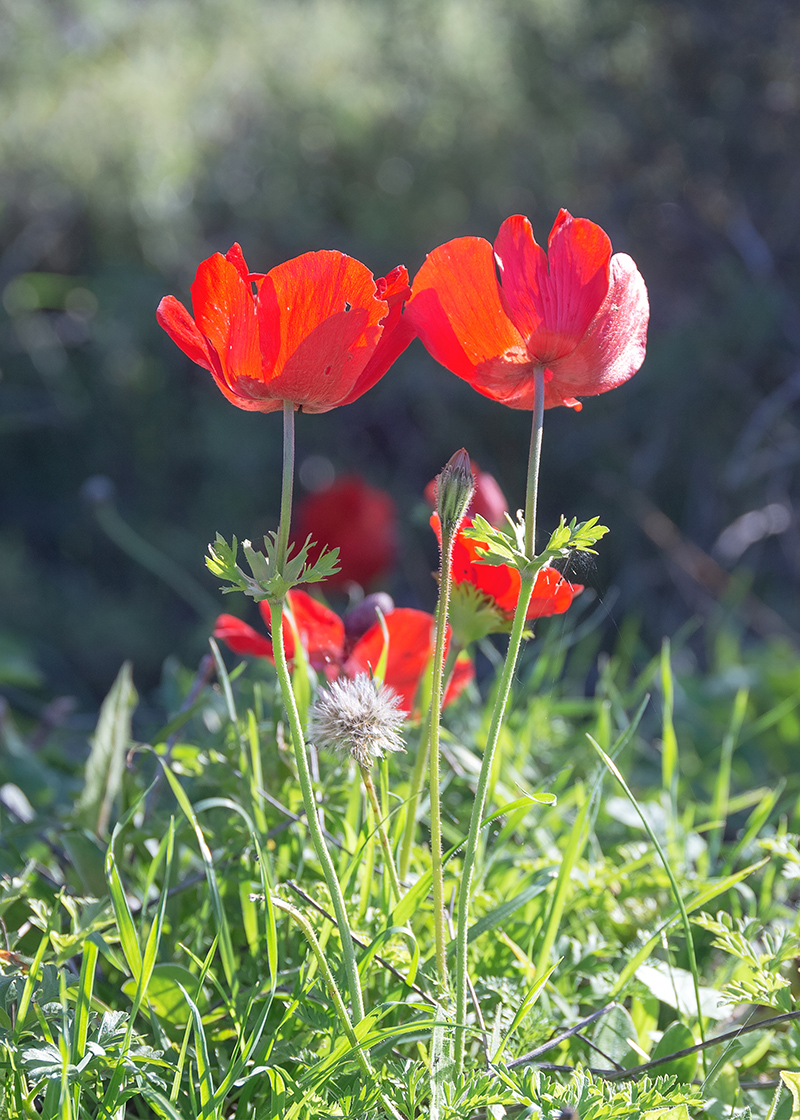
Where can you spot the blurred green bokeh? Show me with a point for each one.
(139, 136)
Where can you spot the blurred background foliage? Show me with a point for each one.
(139, 136)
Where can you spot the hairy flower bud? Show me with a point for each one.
(359, 717)
(454, 489)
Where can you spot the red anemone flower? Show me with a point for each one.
(411, 646)
(485, 596)
(359, 520)
(317, 331)
(322, 635)
(492, 316)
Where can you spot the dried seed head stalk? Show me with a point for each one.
(359, 717)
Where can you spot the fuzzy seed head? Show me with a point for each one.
(358, 717)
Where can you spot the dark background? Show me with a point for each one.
(139, 136)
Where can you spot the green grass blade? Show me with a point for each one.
(181, 1063)
(669, 740)
(530, 999)
(83, 1001)
(225, 681)
(755, 822)
(722, 787)
(204, 1075)
(223, 930)
(577, 838)
(128, 940)
(106, 763)
(687, 929)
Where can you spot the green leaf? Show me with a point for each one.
(106, 763)
(504, 911)
(613, 1036)
(165, 998)
(791, 1080)
(676, 1037)
(265, 581)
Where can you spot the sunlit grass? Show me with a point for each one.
(184, 963)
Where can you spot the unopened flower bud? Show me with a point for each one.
(454, 489)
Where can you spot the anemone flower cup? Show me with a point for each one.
(322, 635)
(316, 331)
(492, 315)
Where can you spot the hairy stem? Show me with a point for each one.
(534, 455)
(286, 485)
(437, 694)
(336, 997)
(298, 739)
(498, 714)
(369, 786)
(418, 774)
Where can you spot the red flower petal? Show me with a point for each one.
(359, 520)
(224, 311)
(319, 322)
(613, 348)
(552, 299)
(181, 328)
(552, 594)
(410, 650)
(397, 332)
(463, 674)
(241, 638)
(321, 630)
(457, 313)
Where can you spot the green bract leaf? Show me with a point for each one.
(498, 546)
(264, 580)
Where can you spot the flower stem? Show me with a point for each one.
(535, 454)
(369, 786)
(298, 740)
(286, 485)
(418, 773)
(498, 714)
(437, 694)
(336, 997)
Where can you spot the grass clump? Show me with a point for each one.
(170, 949)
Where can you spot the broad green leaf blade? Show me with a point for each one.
(106, 763)
(676, 1037)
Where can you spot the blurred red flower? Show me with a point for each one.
(323, 638)
(490, 315)
(488, 500)
(485, 595)
(317, 330)
(359, 520)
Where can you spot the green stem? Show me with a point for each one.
(534, 455)
(286, 485)
(498, 714)
(336, 997)
(298, 740)
(312, 820)
(369, 786)
(421, 761)
(435, 719)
